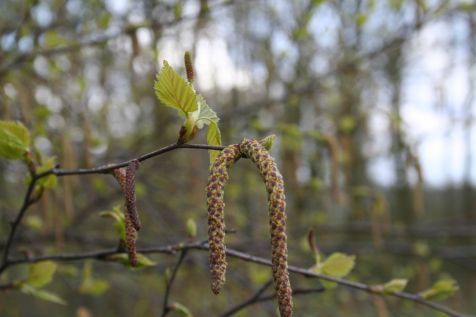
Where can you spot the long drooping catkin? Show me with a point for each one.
(216, 222)
(277, 215)
(126, 179)
(277, 220)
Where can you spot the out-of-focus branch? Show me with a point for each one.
(29, 199)
(25, 57)
(104, 255)
(166, 308)
(259, 299)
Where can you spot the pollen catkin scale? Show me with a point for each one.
(130, 193)
(131, 233)
(277, 217)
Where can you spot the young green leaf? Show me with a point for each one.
(213, 138)
(91, 285)
(41, 294)
(441, 289)
(119, 221)
(142, 260)
(174, 91)
(395, 285)
(338, 264)
(206, 115)
(41, 274)
(191, 228)
(51, 180)
(14, 140)
(181, 309)
(268, 141)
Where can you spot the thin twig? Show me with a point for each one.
(250, 301)
(27, 202)
(266, 298)
(110, 167)
(170, 249)
(170, 282)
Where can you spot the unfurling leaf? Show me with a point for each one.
(213, 138)
(441, 289)
(123, 258)
(41, 294)
(338, 264)
(395, 285)
(181, 309)
(191, 228)
(41, 274)
(268, 141)
(206, 115)
(120, 222)
(91, 285)
(14, 140)
(173, 91)
(51, 180)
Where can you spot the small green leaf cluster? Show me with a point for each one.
(15, 144)
(40, 274)
(178, 93)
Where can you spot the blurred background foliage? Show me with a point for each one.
(329, 78)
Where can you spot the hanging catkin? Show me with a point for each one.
(126, 179)
(277, 217)
(216, 222)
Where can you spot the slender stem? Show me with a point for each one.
(110, 167)
(27, 201)
(170, 282)
(260, 299)
(252, 300)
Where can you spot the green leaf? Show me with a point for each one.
(268, 141)
(184, 311)
(119, 221)
(174, 91)
(206, 114)
(34, 222)
(142, 260)
(91, 285)
(104, 20)
(41, 294)
(49, 181)
(441, 289)
(213, 138)
(41, 274)
(14, 140)
(191, 228)
(53, 39)
(395, 285)
(338, 264)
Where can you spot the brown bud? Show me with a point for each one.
(188, 66)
